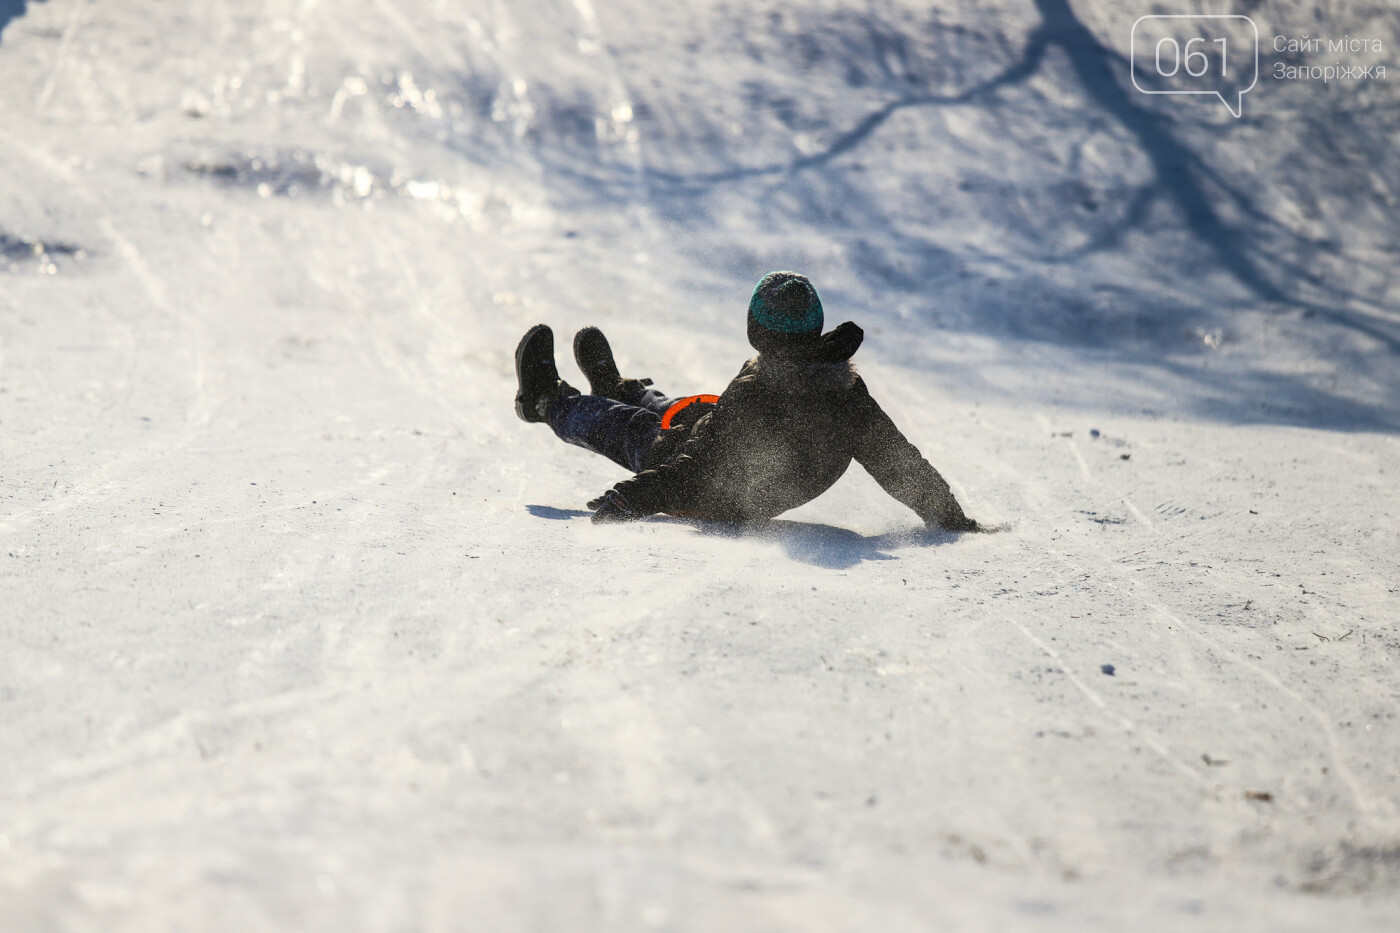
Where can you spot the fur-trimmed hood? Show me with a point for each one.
(823, 363)
(785, 374)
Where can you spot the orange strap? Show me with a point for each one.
(677, 406)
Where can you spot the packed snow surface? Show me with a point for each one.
(302, 629)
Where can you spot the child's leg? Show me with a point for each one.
(650, 399)
(594, 356)
(622, 433)
(637, 393)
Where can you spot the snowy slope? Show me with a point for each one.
(302, 629)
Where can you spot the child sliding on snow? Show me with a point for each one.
(786, 428)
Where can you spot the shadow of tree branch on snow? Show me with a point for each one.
(11, 9)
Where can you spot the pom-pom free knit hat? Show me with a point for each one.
(786, 303)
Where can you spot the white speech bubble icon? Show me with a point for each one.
(1181, 59)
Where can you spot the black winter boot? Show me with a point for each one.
(537, 376)
(594, 356)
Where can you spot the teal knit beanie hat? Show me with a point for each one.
(786, 303)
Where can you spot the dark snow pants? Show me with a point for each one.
(623, 433)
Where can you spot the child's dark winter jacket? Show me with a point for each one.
(782, 433)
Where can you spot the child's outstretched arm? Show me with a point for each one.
(900, 469)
